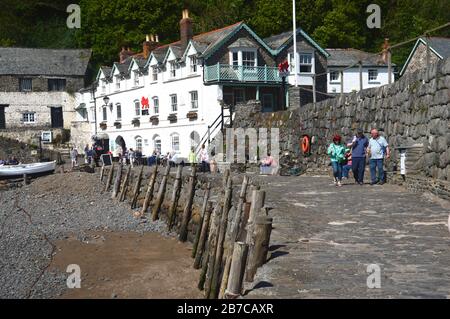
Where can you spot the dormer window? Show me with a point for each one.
(136, 78)
(173, 69)
(243, 57)
(154, 74)
(117, 82)
(193, 63)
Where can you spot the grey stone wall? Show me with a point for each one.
(412, 111)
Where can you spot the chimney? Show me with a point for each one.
(386, 46)
(149, 45)
(186, 31)
(122, 55)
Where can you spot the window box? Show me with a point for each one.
(172, 118)
(118, 124)
(103, 125)
(154, 120)
(136, 122)
(192, 115)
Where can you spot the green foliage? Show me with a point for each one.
(107, 25)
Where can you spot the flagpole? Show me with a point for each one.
(294, 26)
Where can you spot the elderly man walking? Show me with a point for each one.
(378, 149)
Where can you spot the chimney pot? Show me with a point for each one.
(147, 38)
(156, 38)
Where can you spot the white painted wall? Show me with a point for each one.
(351, 79)
(185, 82)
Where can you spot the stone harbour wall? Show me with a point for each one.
(412, 112)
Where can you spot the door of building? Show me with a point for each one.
(57, 117)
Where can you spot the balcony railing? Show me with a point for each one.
(238, 73)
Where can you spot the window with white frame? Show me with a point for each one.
(235, 58)
(175, 141)
(154, 74)
(373, 75)
(137, 108)
(103, 87)
(174, 103)
(335, 76)
(117, 83)
(157, 143)
(138, 141)
(118, 111)
(248, 58)
(92, 113)
(105, 113)
(155, 105)
(173, 69)
(194, 99)
(193, 63)
(305, 62)
(136, 78)
(29, 117)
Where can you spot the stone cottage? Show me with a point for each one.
(37, 89)
(417, 59)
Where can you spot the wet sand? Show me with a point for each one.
(129, 265)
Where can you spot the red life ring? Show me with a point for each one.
(306, 144)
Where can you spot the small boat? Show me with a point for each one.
(29, 169)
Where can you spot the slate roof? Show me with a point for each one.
(440, 45)
(50, 62)
(347, 57)
(278, 40)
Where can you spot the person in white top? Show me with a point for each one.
(378, 150)
(204, 159)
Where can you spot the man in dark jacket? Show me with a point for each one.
(359, 146)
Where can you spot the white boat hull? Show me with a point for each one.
(29, 169)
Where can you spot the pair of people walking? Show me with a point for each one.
(377, 149)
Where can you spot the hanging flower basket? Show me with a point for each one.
(172, 118)
(136, 122)
(154, 120)
(117, 124)
(192, 115)
(103, 125)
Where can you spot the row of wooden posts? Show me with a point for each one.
(232, 239)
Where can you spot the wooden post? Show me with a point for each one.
(235, 224)
(225, 276)
(215, 282)
(360, 76)
(175, 197)
(258, 254)
(61, 169)
(208, 258)
(203, 236)
(237, 270)
(203, 214)
(342, 83)
(149, 193)
(110, 178)
(389, 57)
(228, 194)
(188, 208)
(116, 187)
(137, 188)
(124, 189)
(161, 193)
(258, 198)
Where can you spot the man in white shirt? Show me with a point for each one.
(378, 149)
(204, 159)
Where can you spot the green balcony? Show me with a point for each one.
(225, 73)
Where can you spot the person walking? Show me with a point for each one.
(347, 166)
(73, 157)
(132, 157)
(359, 146)
(86, 154)
(336, 151)
(191, 157)
(378, 149)
(204, 159)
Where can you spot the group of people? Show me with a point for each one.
(11, 161)
(352, 156)
(206, 164)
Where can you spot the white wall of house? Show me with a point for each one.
(146, 134)
(352, 80)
